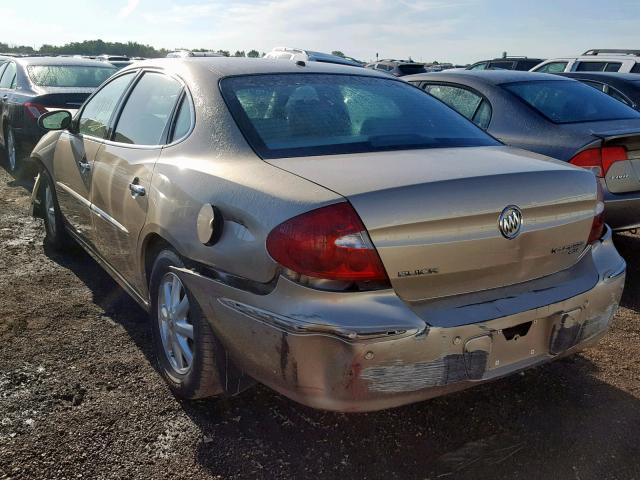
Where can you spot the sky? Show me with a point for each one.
(460, 31)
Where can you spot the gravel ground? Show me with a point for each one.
(79, 397)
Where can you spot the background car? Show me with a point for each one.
(31, 86)
(624, 87)
(596, 60)
(558, 117)
(296, 54)
(506, 63)
(118, 61)
(190, 53)
(397, 68)
(343, 238)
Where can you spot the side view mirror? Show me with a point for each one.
(56, 120)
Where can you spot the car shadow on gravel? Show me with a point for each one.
(555, 421)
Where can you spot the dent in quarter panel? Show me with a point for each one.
(253, 197)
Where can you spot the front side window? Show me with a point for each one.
(145, 115)
(95, 117)
(565, 101)
(69, 75)
(8, 79)
(316, 114)
(636, 68)
(552, 67)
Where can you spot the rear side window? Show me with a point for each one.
(183, 120)
(8, 79)
(78, 76)
(95, 117)
(636, 68)
(461, 99)
(570, 101)
(468, 103)
(411, 69)
(479, 66)
(145, 115)
(618, 96)
(552, 67)
(501, 66)
(598, 66)
(321, 114)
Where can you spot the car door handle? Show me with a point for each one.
(137, 190)
(4, 97)
(84, 166)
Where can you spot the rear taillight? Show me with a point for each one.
(34, 110)
(597, 227)
(328, 243)
(599, 159)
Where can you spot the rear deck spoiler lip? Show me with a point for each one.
(616, 134)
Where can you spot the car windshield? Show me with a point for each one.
(289, 115)
(570, 101)
(79, 76)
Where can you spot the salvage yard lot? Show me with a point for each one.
(79, 396)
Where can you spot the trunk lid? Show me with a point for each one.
(433, 214)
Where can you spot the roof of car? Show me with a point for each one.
(60, 61)
(489, 77)
(230, 66)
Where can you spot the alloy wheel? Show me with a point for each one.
(50, 209)
(11, 150)
(176, 329)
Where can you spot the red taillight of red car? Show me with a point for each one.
(329, 243)
(597, 227)
(599, 159)
(34, 110)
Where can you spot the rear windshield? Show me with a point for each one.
(291, 115)
(411, 69)
(570, 102)
(69, 75)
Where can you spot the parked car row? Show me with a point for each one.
(554, 116)
(344, 237)
(31, 86)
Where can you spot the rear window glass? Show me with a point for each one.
(411, 69)
(308, 114)
(570, 102)
(69, 75)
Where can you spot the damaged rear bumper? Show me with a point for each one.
(370, 350)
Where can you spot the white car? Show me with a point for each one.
(598, 60)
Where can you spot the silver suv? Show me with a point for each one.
(597, 60)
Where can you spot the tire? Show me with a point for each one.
(18, 166)
(188, 364)
(56, 235)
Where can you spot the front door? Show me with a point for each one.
(123, 169)
(76, 152)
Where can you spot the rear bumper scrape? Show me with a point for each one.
(368, 350)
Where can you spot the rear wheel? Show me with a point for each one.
(12, 154)
(185, 345)
(56, 235)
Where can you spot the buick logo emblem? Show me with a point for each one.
(510, 222)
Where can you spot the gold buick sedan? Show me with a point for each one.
(329, 231)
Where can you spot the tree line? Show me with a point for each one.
(99, 47)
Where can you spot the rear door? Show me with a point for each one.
(124, 165)
(75, 153)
